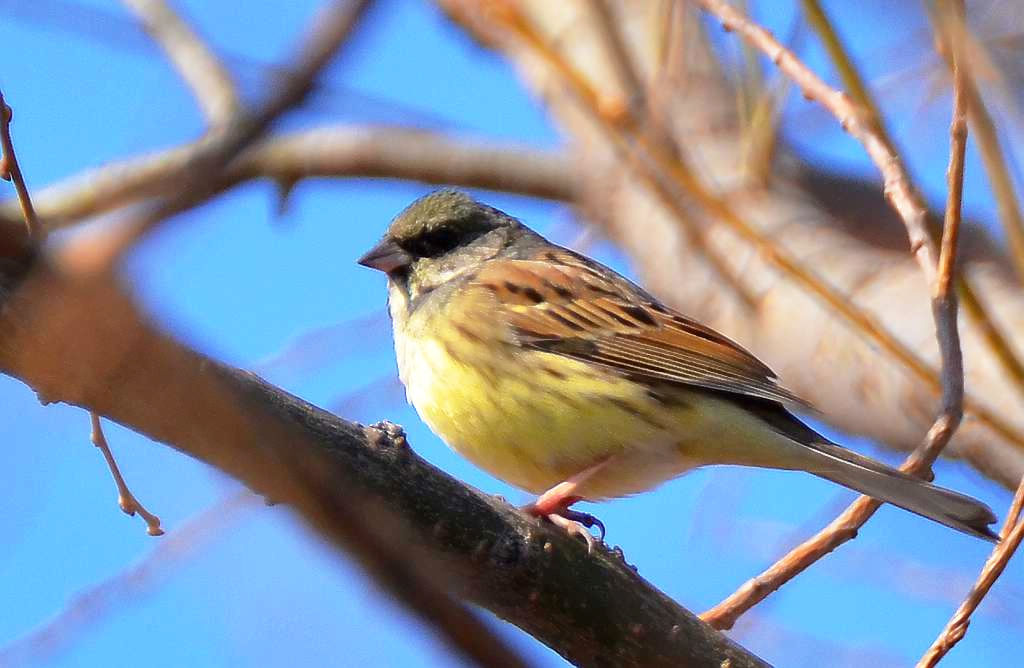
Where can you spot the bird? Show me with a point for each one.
(561, 377)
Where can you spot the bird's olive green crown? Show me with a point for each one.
(439, 235)
(444, 217)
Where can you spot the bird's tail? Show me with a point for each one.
(881, 482)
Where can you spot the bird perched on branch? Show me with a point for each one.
(559, 376)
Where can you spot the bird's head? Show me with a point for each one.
(439, 237)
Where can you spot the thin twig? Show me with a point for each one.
(848, 73)
(330, 30)
(210, 82)
(95, 603)
(990, 332)
(952, 35)
(978, 315)
(954, 40)
(125, 499)
(11, 171)
(956, 628)
(855, 85)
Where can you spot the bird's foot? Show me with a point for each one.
(574, 523)
(554, 506)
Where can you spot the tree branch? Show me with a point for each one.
(330, 151)
(950, 37)
(10, 170)
(1009, 540)
(201, 70)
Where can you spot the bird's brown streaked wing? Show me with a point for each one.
(565, 304)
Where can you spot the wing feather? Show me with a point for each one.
(568, 305)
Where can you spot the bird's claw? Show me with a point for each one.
(574, 523)
(574, 528)
(586, 519)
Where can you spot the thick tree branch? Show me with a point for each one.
(84, 343)
(427, 157)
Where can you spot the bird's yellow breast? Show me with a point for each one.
(528, 417)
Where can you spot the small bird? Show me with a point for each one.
(561, 377)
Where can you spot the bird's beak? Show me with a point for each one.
(387, 256)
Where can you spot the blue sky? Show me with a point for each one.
(243, 284)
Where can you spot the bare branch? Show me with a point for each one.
(1013, 529)
(851, 78)
(125, 499)
(1009, 540)
(372, 533)
(204, 73)
(11, 171)
(388, 152)
(990, 332)
(118, 366)
(992, 157)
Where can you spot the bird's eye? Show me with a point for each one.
(434, 242)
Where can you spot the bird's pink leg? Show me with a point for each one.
(553, 505)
